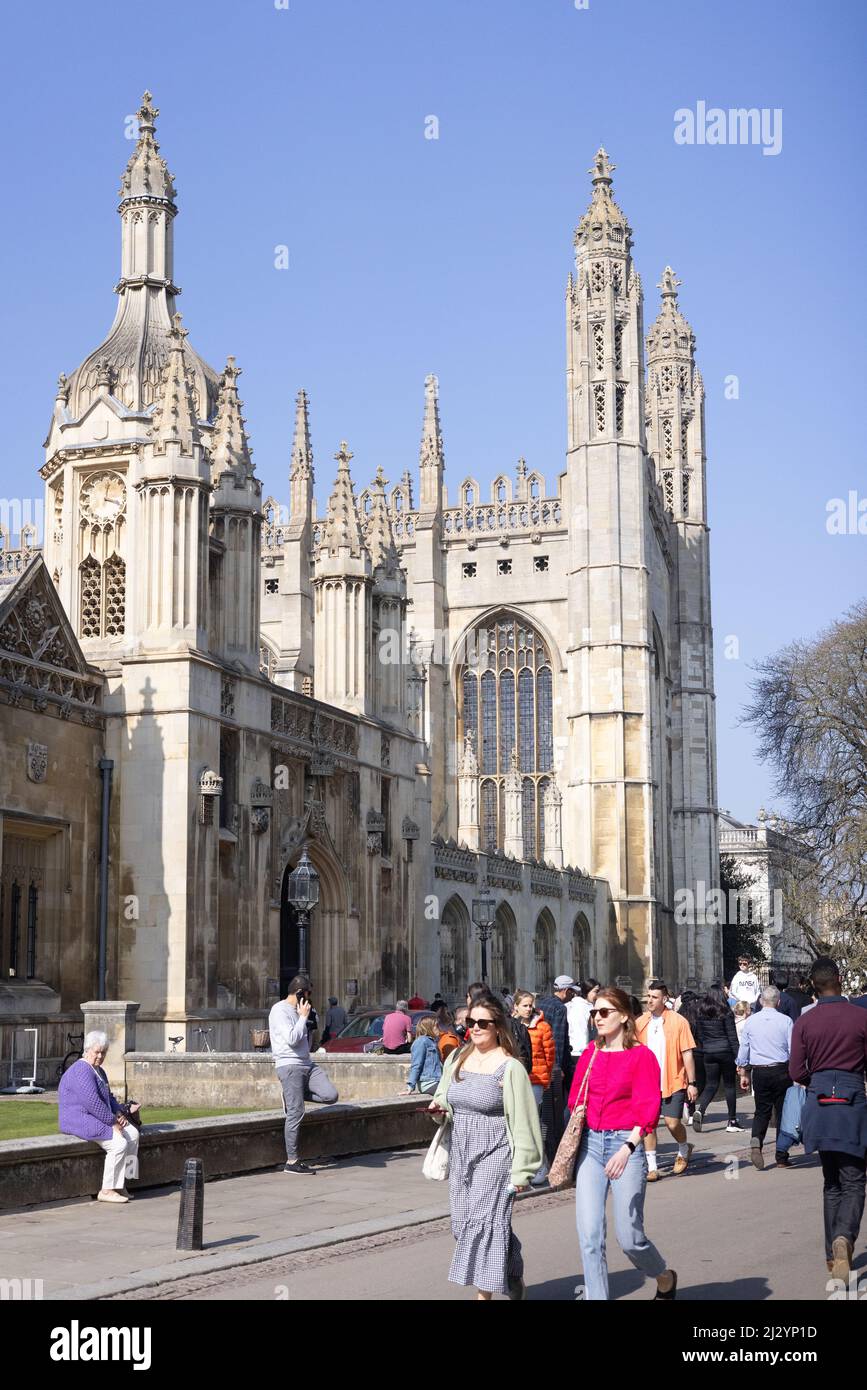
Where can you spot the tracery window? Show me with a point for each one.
(102, 597)
(684, 439)
(599, 346)
(668, 489)
(90, 598)
(507, 707)
(620, 409)
(618, 346)
(597, 279)
(599, 406)
(667, 379)
(667, 441)
(684, 501)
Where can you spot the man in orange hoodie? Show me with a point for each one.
(544, 1058)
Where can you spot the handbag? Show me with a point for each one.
(562, 1171)
(436, 1160)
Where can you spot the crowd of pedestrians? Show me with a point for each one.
(506, 1071)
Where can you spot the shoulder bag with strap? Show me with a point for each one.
(562, 1172)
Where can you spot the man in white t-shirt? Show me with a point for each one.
(745, 986)
(578, 1016)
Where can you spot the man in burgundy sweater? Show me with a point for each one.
(829, 1057)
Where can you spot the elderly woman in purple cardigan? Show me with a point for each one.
(89, 1111)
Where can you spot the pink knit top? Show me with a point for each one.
(623, 1090)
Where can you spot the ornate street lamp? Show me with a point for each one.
(303, 894)
(484, 917)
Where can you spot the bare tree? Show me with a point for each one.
(809, 710)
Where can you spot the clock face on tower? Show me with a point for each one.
(103, 498)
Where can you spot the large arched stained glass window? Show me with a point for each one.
(488, 759)
(506, 691)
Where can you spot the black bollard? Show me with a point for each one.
(192, 1210)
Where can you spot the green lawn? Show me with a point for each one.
(26, 1119)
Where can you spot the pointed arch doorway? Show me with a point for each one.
(328, 964)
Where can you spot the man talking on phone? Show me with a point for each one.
(300, 1078)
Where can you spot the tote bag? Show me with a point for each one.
(562, 1171)
(436, 1160)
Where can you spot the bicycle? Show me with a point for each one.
(76, 1050)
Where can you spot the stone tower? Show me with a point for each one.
(610, 638)
(676, 441)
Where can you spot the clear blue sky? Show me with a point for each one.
(305, 126)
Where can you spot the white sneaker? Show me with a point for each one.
(111, 1197)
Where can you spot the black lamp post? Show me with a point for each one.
(484, 917)
(303, 895)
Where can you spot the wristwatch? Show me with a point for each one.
(630, 1146)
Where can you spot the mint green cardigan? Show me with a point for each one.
(522, 1117)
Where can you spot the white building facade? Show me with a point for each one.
(440, 696)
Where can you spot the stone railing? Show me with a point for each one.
(538, 514)
(746, 836)
(14, 562)
(453, 861)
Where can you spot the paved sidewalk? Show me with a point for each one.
(86, 1249)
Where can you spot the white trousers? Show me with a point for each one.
(121, 1157)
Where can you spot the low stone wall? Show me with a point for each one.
(50, 1168)
(249, 1080)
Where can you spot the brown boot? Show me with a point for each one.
(841, 1264)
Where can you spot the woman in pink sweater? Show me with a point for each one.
(621, 1100)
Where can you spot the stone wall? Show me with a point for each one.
(248, 1080)
(55, 1167)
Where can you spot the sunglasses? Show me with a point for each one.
(603, 1013)
(481, 1023)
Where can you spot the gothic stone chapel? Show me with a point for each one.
(439, 697)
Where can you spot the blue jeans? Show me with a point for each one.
(627, 1194)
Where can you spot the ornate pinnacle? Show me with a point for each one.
(147, 113)
(344, 454)
(602, 168)
(63, 387)
(177, 332)
(669, 284)
(302, 450)
(230, 448)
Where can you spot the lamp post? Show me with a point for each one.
(484, 916)
(303, 894)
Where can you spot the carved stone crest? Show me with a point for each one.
(37, 761)
(261, 798)
(375, 829)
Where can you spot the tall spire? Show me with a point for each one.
(379, 535)
(138, 343)
(146, 174)
(603, 224)
(675, 411)
(342, 528)
(301, 466)
(431, 455)
(174, 417)
(230, 450)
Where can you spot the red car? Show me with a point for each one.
(363, 1032)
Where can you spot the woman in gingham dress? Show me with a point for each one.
(496, 1143)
